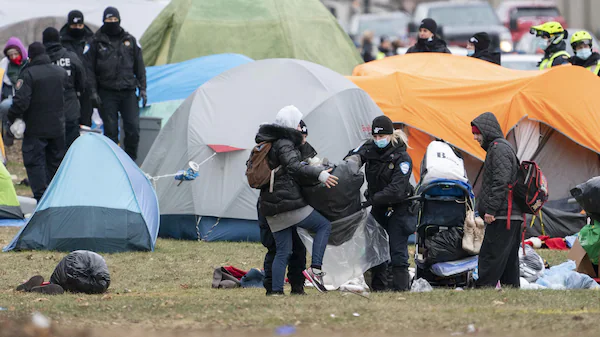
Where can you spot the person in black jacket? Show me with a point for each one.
(428, 40)
(74, 36)
(388, 170)
(116, 71)
(70, 62)
(297, 261)
(479, 47)
(39, 102)
(499, 256)
(282, 203)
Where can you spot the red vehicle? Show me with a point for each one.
(519, 16)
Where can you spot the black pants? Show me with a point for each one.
(71, 132)
(86, 109)
(42, 157)
(126, 103)
(499, 255)
(399, 226)
(296, 264)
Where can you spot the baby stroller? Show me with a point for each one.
(441, 206)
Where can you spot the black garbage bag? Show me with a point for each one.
(82, 271)
(588, 196)
(342, 200)
(445, 246)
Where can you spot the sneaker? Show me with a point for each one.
(315, 279)
(35, 281)
(50, 289)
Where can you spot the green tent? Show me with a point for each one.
(9, 205)
(259, 29)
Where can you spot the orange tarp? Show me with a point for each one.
(440, 94)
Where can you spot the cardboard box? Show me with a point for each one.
(582, 260)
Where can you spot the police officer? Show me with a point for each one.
(428, 40)
(584, 56)
(479, 47)
(39, 102)
(116, 71)
(388, 170)
(552, 38)
(74, 36)
(70, 62)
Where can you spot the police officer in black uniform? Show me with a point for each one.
(70, 62)
(388, 170)
(39, 102)
(74, 36)
(116, 71)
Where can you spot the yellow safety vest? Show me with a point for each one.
(547, 63)
(594, 69)
(380, 56)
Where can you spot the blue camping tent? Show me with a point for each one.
(168, 85)
(99, 200)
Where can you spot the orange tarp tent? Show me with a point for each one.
(440, 94)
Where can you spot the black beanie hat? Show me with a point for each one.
(481, 41)
(36, 49)
(75, 17)
(382, 125)
(50, 35)
(304, 130)
(429, 24)
(110, 12)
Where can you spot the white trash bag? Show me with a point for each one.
(18, 128)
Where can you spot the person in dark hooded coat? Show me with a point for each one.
(428, 40)
(479, 47)
(75, 85)
(499, 257)
(74, 36)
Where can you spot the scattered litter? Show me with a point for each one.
(459, 289)
(127, 291)
(106, 297)
(332, 315)
(471, 328)
(3, 309)
(285, 330)
(421, 286)
(401, 298)
(356, 314)
(40, 320)
(498, 303)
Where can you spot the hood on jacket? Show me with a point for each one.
(65, 36)
(591, 61)
(53, 48)
(490, 129)
(14, 42)
(288, 117)
(273, 132)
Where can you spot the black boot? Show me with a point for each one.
(401, 279)
(298, 289)
(379, 278)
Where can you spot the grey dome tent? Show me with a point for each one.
(220, 120)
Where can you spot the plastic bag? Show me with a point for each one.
(531, 265)
(82, 271)
(342, 200)
(445, 246)
(18, 128)
(588, 196)
(563, 277)
(442, 162)
(589, 238)
(367, 248)
(420, 286)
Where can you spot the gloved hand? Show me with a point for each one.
(365, 204)
(143, 96)
(96, 101)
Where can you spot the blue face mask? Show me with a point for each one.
(584, 54)
(382, 143)
(470, 52)
(542, 44)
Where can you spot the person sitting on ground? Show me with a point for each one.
(282, 203)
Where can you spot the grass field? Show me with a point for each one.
(170, 289)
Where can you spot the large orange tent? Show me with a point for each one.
(437, 95)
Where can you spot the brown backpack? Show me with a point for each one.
(258, 171)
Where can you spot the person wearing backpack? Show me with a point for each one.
(281, 200)
(499, 256)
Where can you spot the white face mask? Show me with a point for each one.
(470, 52)
(542, 44)
(584, 53)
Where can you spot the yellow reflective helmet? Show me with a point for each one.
(581, 37)
(553, 30)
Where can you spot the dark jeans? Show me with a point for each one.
(86, 109)
(71, 132)
(42, 158)
(499, 255)
(297, 262)
(126, 103)
(399, 226)
(315, 223)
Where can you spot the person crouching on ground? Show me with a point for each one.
(388, 170)
(284, 208)
(499, 255)
(297, 261)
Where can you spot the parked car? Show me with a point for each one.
(520, 61)
(394, 25)
(519, 16)
(528, 43)
(459, 20)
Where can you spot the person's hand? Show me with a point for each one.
(143, 97)
(96, 101)
(332, 180)
(489, 218)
